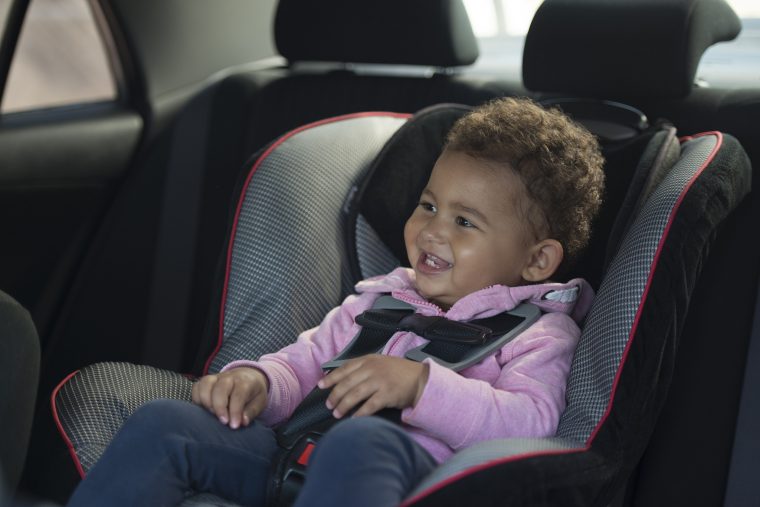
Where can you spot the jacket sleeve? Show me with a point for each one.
(526, 399)
(295, 370)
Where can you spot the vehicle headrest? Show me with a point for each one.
(623, 48)
(420, 32)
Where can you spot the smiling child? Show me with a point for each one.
(509, 203)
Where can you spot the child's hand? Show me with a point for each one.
(383, 381)
(236, 396)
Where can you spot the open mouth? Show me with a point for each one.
(431, 264)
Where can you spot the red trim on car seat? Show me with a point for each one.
(655, 260)
(57, 420)
(483, 466)
(634, 327)
(253, 170)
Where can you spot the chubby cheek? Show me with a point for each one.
(469, 270)
(479, 267)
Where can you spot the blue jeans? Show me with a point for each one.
(171, 449)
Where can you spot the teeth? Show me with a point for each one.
(435, 262)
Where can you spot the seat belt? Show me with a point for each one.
(743, 486)
(455, 345)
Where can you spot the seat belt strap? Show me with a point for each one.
(453, 344)
(743, 487)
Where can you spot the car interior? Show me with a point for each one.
(141, 232)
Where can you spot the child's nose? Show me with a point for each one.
(433, 231)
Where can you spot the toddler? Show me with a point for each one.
(509, 203)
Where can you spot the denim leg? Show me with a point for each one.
(366, 461)
(168, 449)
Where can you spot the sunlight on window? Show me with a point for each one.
(490, 18)
(60, 59)
(482, 16)
(745, 8)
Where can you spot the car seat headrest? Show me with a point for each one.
(401, 170)
(423, 32)
(625, 48)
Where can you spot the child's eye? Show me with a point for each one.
(428, 207)
(464, 222)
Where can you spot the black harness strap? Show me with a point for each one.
(456, 345)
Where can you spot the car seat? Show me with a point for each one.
(88, 448)
(597, 63)
(20, 358)
(645, 54)
(339, 191)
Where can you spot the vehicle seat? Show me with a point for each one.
(345, 169)
(151, 267)
(569, 52)
(590, 59)
(20, 358)
(129, 373)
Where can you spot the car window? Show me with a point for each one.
(60, 58)
(501, 25)
(735, 64)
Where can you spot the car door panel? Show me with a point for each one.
(58, 172)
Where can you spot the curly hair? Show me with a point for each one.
(558, 161)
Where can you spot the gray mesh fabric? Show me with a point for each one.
(96, 401)
(288, 258)
(374, 257)
(288, 268)
(606, 331)
(610, 322)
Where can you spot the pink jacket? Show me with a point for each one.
(517, 392)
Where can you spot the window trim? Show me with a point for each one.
(116, 49)
(10, 36)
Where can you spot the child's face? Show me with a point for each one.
(466, 234)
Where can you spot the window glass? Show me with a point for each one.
(736, 63)
(60, 58)
(501, 25)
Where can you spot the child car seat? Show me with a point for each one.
(324, 206)
(646, 54)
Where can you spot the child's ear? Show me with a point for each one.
(545, 258)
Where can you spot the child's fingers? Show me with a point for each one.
(201, 393)
(340, 373)
(349, 393)
(220, 397)
(241, 394)
(254, 408)
(374, 403)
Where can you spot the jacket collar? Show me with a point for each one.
(572, 298)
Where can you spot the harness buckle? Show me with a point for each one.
(289, 472)
(442, 329)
